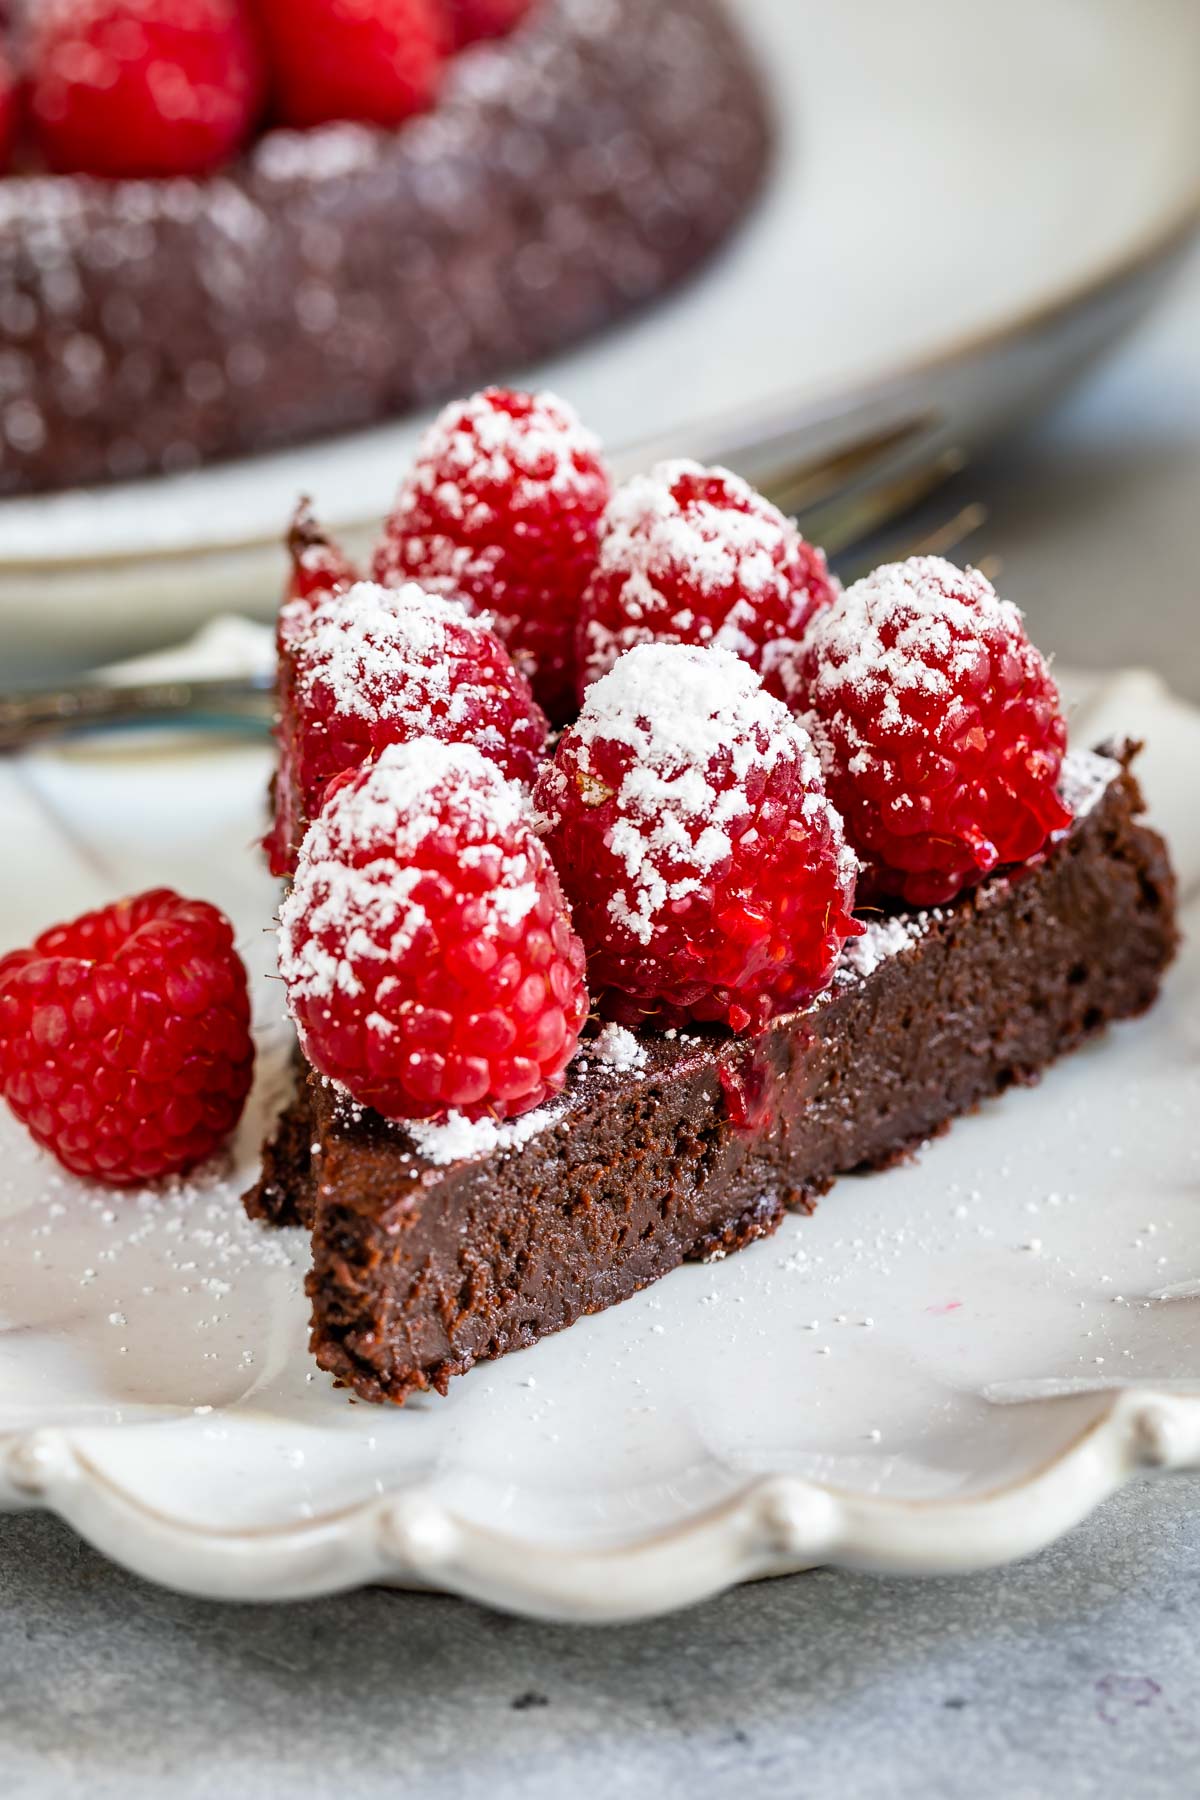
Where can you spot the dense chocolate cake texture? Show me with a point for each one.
(332, 278)
(437, 1247)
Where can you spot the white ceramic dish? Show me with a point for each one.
(970, 203)
(1032, 1286)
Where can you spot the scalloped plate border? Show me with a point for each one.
(776, 1525)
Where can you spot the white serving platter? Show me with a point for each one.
(946, 1367)
(970, 203)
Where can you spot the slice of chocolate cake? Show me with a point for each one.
(437, 1247)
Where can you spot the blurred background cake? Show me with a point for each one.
(233, 224)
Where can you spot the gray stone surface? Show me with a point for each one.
(1075, 1674)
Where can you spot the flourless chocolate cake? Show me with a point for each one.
(437, 1247)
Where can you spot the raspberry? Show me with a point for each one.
(381, 666)
(941, 729)
(473, 19)
(125, 1037)
(501, 509)
(426, 948)
(686, 815)
(378, 61)
(141, 87)
(689, 555)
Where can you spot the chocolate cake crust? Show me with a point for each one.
(423, 1267)
(333, 278)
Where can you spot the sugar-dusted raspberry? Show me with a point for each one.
(378, 61)
(125, 1037)
(469, 20)
(940, 727)
(141, 87)
(379, 666)
(687, 818)
(501, 508)
(689, 555)
(426, 947)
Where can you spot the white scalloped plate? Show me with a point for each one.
(946, 1367)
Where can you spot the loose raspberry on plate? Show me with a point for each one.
(940, 727)
(426, 947)
(473, 19)
(379, 666)
(689, 555)
(687, 818)
(125, 1037)
(378, 61)
(501, 509)
(141, 87)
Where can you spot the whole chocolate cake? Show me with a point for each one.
(331, 278)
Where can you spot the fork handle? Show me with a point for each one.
(43, 713)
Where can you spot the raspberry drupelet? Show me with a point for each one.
(378, 666)
(689, 555)
(706, 869)
(377, 63)
(501, 510)
(426, 948)
(940, 727)
(125, 1037)
(141, 87)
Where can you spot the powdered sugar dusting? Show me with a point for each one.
(683, 711)
(900, 628)
(617, 1049)
(457, 1139)
(1085, 778)
(381, 652)
(473, 446)
(664, 534)
(646, 530)
(352, 898)
(881, 939)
